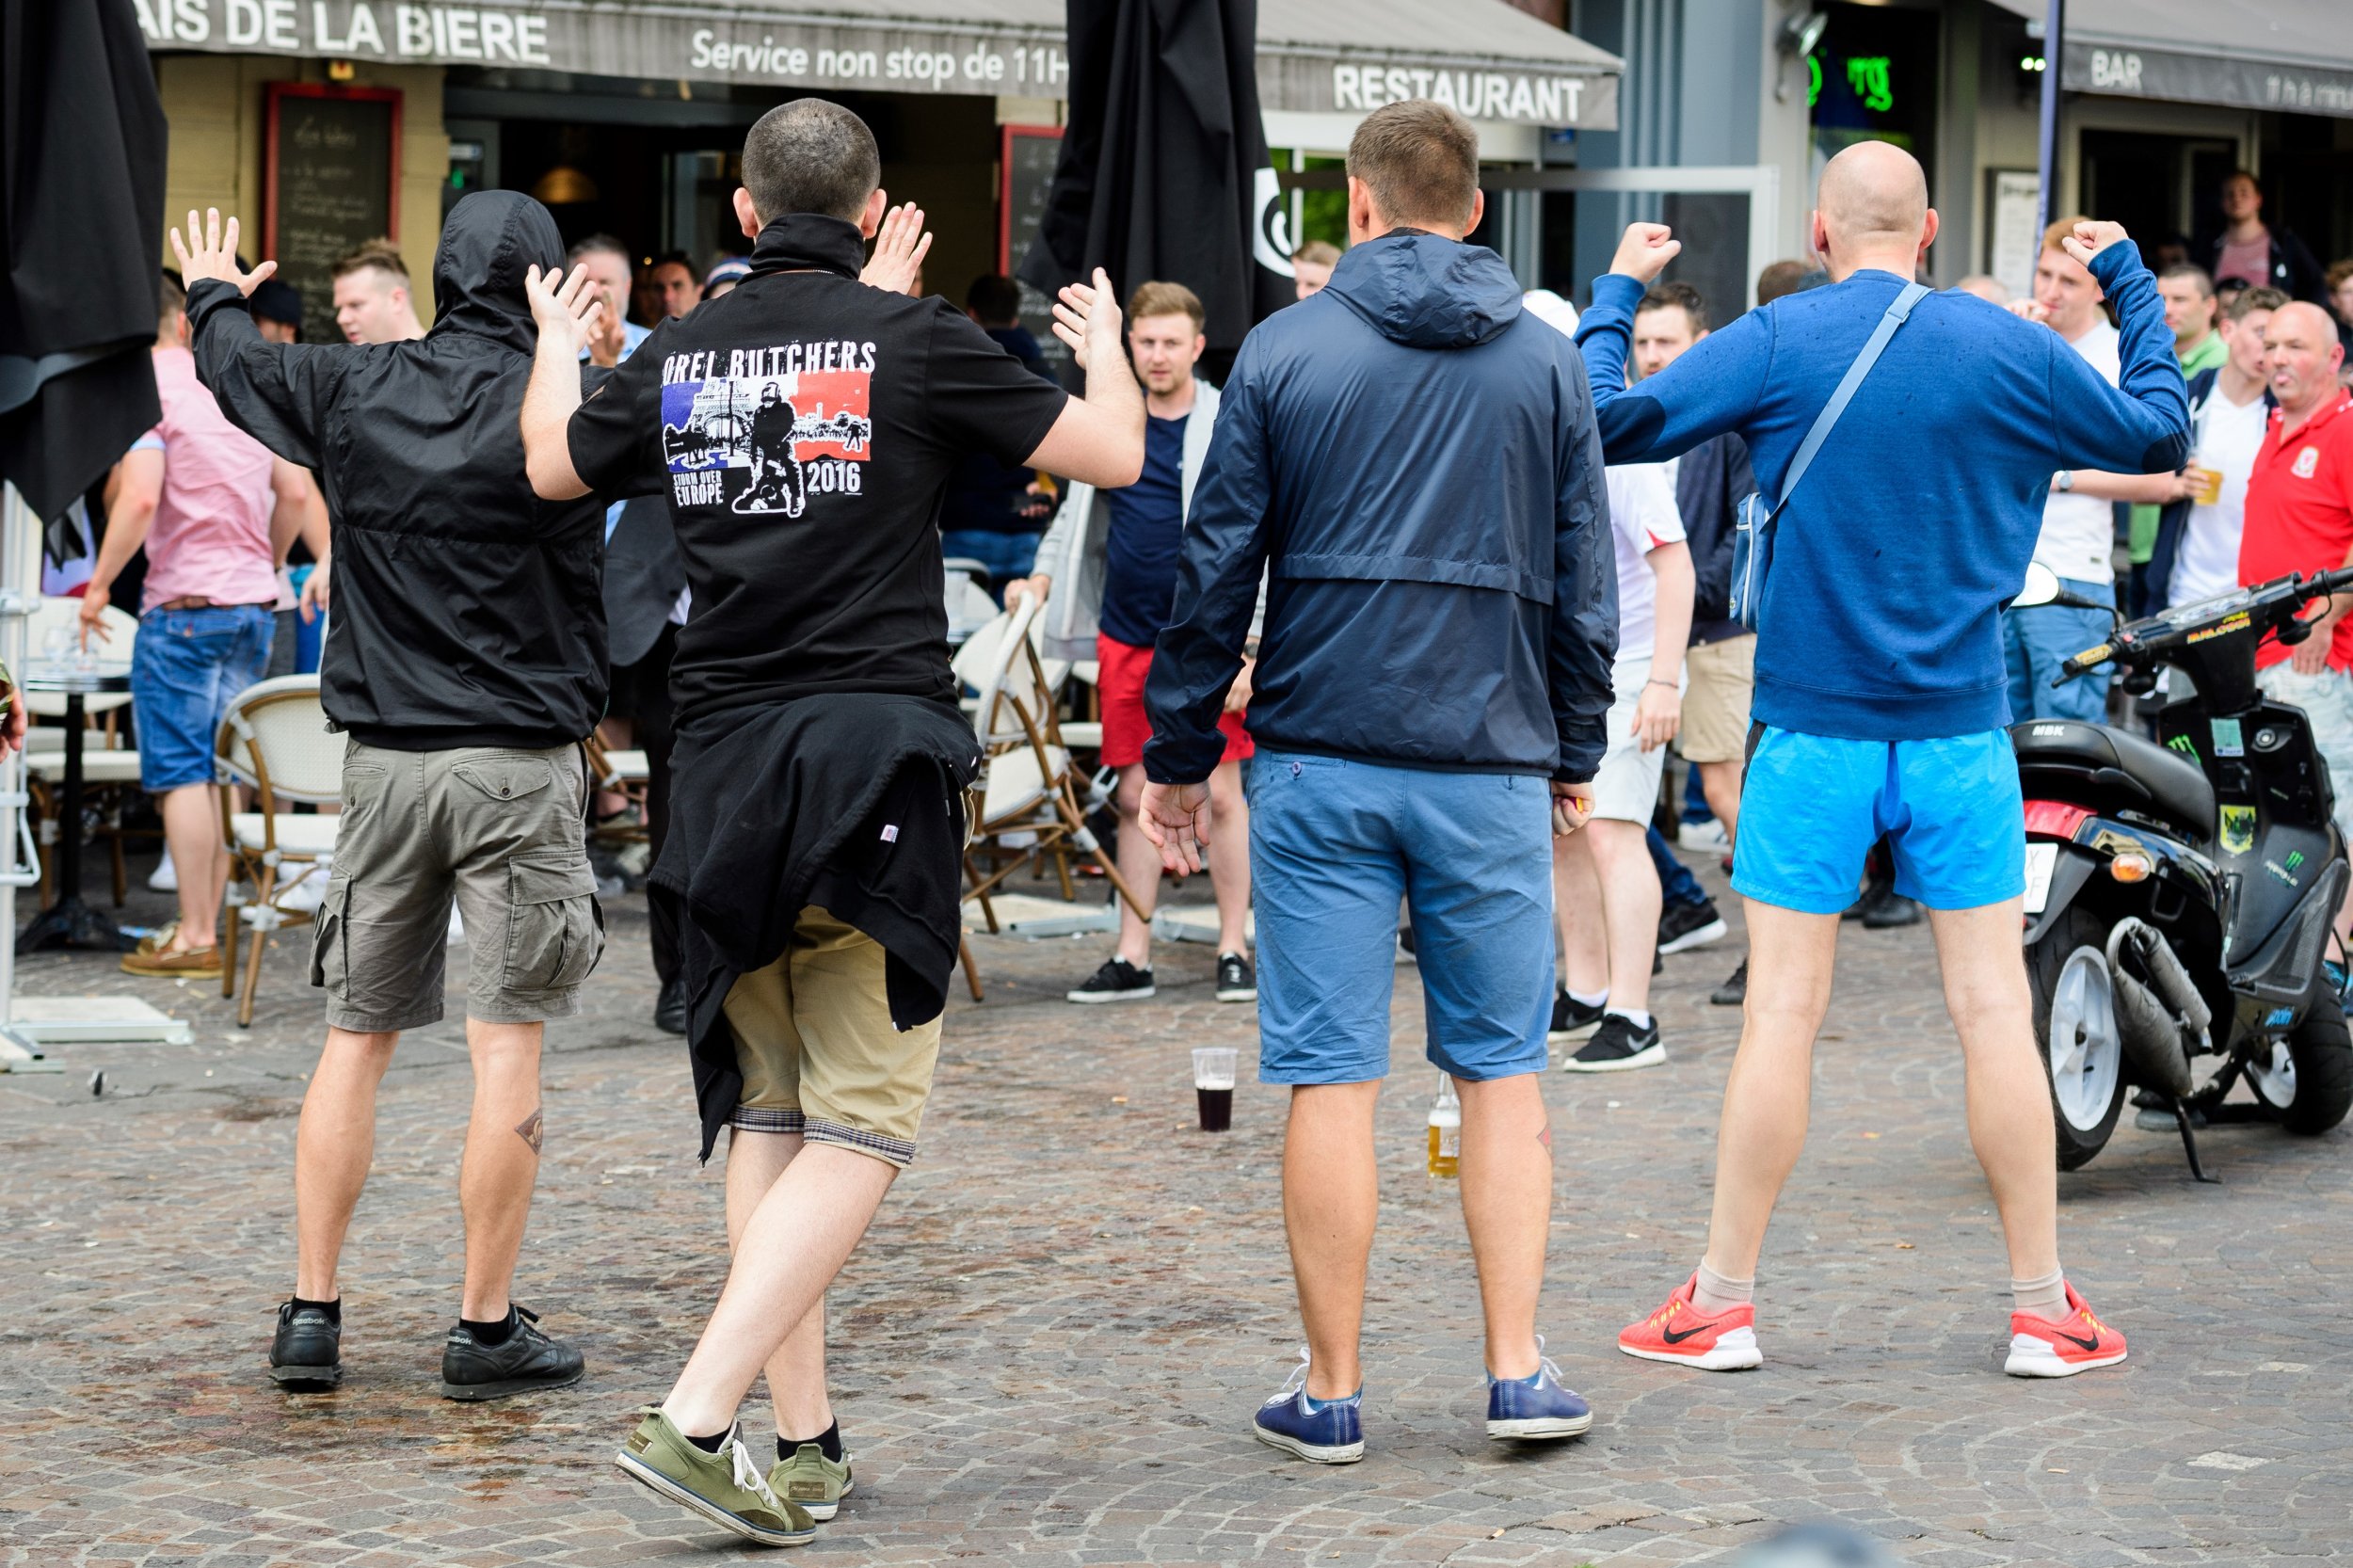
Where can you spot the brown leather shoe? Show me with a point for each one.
(159, 938)
(175, 964)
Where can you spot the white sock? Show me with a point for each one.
(2044, 1296)
(1583, 1001)
(1638, 1017)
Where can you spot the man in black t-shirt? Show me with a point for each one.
(804, 428)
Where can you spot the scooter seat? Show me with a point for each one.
(2065, 759)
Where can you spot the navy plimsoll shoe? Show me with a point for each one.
(1522, 1410)
(1322, 1431)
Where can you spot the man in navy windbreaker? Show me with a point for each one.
(1413, 464)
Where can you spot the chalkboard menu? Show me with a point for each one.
(332, 183)
(1028, 172)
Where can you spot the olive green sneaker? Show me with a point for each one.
(726, 1488)
(811, 1480)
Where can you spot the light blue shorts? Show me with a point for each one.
(1812, 807)
(1333, 846)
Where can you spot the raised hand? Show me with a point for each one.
(566, 310)
(1644, 251)
(1088, 319)
(900, 246)
(216, 253)
(2090, 238)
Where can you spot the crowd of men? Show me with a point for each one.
(1359, 671)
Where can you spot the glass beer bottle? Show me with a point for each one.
(1446, 1130)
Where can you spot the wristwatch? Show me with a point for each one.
(2065, 480)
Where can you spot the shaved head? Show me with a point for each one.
(2307, 320)
(1873, 196)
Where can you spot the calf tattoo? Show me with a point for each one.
(531, 1132)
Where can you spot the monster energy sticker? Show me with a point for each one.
(2238, 829)
(763, 429)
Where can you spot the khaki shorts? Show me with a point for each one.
(499, 829)
(1716, 705)
(814, 1042)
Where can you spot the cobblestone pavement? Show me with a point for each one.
(1049, 1345)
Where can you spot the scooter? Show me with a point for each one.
(2180, 891)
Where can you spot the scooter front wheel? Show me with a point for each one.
(2075, 1025)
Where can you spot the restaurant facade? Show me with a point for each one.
(329, 121)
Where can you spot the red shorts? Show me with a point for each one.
(1120, 684)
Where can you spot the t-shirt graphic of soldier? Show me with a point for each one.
(782, 432)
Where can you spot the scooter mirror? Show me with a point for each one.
(2042, 587)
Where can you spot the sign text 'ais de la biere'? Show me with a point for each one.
(685, 41)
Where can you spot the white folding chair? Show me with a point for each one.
(276, 743)
(1025, 803)
(110, 772)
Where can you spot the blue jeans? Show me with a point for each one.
(1006, 556)
(1333, 846)
(1674, 879)
(186, 667)
(2035, 641)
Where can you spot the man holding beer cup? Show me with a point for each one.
(2195, 556)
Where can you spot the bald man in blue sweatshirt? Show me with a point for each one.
(1881, 692)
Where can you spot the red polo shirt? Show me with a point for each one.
(2300, 511)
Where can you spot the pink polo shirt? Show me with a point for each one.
(211, 534)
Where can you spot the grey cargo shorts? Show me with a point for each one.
(500, 829)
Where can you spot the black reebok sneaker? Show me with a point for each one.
(1685, 926)
(1570, 1019)
(307, 1351)
(1116, 981)
(1735, 991)
(1237, 979)
(1616, 1046)
(524, 1360)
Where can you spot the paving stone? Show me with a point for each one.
(1047, 1350)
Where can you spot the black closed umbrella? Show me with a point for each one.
(1163, 172)
(82, 144)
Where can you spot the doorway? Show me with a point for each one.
(2166, 190)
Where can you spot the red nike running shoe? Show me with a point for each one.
(1680, 1333)
(2039, 1347)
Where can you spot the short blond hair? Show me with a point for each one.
(1419, 160)
(1317, 253)
(2063, 228)
(1167, 299)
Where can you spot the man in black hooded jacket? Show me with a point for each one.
(465, 661)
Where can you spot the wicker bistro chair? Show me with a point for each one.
(1025, 804)
(276, 743)
(624, 773)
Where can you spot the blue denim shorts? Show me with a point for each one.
(186, 666)
(1334, 846)
(1811, 806)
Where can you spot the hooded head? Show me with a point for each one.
(1413, 194)
(491, 239)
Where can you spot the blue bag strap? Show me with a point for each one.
(1913, 294)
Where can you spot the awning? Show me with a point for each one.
(1485, 57)
(2289, 55)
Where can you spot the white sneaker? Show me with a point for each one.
(456, 928)
(1703, 838)
(165, 878)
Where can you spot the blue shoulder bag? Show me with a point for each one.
(1753, 540)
